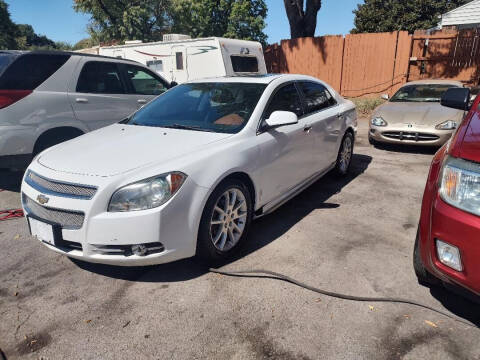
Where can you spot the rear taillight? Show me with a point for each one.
(8, 97)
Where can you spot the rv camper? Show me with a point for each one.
(180, 59)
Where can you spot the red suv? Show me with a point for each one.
(447, 248)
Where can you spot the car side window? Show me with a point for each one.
(285, 99)
(100, 78)
(317, 97)
(143, 82)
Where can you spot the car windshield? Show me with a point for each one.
(215, 107)
(421, 93)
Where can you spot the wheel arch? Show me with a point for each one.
(60, 131)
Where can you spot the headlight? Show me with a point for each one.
(378, 121)
(146, 194)
(447, 125)
(460, 184)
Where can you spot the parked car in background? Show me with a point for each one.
(447, 247)
(174, 181)
(414, 115)
(47, 97)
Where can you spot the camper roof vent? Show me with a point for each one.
(175, 37)
(130, 42)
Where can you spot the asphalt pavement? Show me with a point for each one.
(353, 236)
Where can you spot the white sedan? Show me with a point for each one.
(188, 173)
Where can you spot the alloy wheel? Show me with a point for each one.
(345, 154)
(228, 220)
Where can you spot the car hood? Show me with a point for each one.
(117, 149)
(425, 113)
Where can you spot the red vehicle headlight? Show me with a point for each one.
(460, 184)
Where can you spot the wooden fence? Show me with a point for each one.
(371, 64)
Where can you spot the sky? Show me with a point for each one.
(57, 20)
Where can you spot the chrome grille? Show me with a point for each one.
(59, 188)
(66, 219)
(413, 136)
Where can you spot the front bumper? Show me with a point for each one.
(173, 226)
(403, 134)
(462, 230)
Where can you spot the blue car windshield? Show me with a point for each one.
(215, 107)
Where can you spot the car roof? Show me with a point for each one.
(255, 79)
(435, 82)
(70, 53)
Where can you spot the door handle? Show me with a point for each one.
(81, 100)
(307, 128)
(142, 101)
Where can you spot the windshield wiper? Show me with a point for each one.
(186, 127)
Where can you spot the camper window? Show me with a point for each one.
(155, 65)
(179, 58)
(244, 64)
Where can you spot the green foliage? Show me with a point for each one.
(83, 44)
(238, 19)
(148, 20)
(409, 15)
(117, 20)
(8, 30)
(22, 36)
(27, 39)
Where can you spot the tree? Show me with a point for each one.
(8, 30)
(303, 20)
(28, 39)
(117, 20)
(83, 44)
(409, 15)
(238, 19)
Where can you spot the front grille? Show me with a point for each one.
(65, 218)
(59, 188)
(413, 136)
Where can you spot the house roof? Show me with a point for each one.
(466, 14)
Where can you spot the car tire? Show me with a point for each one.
(371, 141)
(423, 276)
(224, 226)
(345, 154)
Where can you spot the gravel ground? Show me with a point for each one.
(353, 236)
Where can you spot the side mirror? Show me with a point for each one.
(385, 97)
(173, 84)
(281, 118)
(456, 98)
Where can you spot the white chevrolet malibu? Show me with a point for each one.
(187, 173)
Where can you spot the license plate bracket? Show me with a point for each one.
(45, 231)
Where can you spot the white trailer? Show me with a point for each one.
(181, 60)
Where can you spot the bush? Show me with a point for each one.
(365, 106)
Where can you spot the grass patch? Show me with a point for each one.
(365, 106)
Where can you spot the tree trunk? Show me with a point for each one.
(302, 23)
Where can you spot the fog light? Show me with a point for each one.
(449, 255)
(139, 250)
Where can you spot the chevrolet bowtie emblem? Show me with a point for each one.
(42, 199)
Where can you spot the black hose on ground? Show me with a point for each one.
(266, 274)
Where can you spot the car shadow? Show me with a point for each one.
(409, 149)
(461, 306)
(10, 180)
(264, 231)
